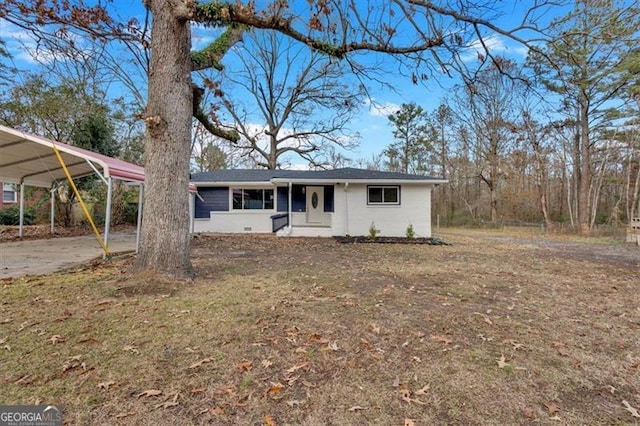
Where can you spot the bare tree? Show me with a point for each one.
(486, 108)
(297, 101)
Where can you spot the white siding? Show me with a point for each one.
(236, 222)
(391, 220)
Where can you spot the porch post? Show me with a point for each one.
(139, 224)
(21, 219)
(107, 215)
(290, 219)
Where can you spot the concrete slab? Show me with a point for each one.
(37, 257)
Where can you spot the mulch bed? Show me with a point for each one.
(434, 241)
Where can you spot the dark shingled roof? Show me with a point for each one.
(249, 175)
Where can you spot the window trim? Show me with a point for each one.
(383, 202)
(243, 189)
(13, 190)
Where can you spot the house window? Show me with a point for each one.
(252, 199)
(9, 193)
(383, 195)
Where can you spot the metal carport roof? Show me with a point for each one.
(30, 159)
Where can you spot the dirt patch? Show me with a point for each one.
(497, 328)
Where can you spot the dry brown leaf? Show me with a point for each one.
(132, 348)
(266, 363)
(629, 408)
(150, 392)
(244, 365)
(56, 338)
(199, 363)
(396, 382)
(441, 339)
(106, 385)
(502, 361)
(268, 421)
(275, 389)
(198, 390)
(308, 384)
(423, 390)
(123, 415)
(552, 407)
(317, 338)
(409, 422)
(356, 408)
(218, 411)
(333, 346)
(297, 367)
(376, 328)
(529, 413)
(166, 404)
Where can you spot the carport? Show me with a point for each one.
(29, 160)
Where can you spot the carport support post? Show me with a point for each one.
(52, 199)
(21, 220)
(192, 207)
(139, 224)
(107, 215)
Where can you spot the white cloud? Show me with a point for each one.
(381, 109)
(496, 45)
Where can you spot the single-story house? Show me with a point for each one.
(322, 203)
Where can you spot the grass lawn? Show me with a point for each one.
(497, 328)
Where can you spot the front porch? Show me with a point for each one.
(304, 210)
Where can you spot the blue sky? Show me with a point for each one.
(372, 123)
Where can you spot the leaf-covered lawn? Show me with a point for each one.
(494, 329)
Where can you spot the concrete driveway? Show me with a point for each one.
(37, 257)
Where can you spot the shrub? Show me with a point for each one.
(373, 232)
(11, 216)
(410, 233)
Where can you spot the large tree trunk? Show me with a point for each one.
(164, 247)
(585, 167)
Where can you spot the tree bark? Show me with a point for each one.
(585, 165)
(165, 237)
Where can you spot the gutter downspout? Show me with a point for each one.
(346, 208)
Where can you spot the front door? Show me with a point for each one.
(315, 204)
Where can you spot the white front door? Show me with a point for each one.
(315, 204)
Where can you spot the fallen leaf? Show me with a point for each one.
(56, 338)
(199, 363)
(218, 411)
(376, 328)
(528, 413)
(317, 338)
(132, 348)
(150, 392)
(308, 384)
(396, 382)
(244, 365)
(333, 346)
(552, 407)
(275, 389)
(297, 367)
(166, 404)
(268, 421)
(441, 339)
(409, 422)
(356, 408)
(502, 361)
(198, 390)
(266, 363)
(294, 403)
(123, 415)
(423, 390)
(629, 408)
(106, 385)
